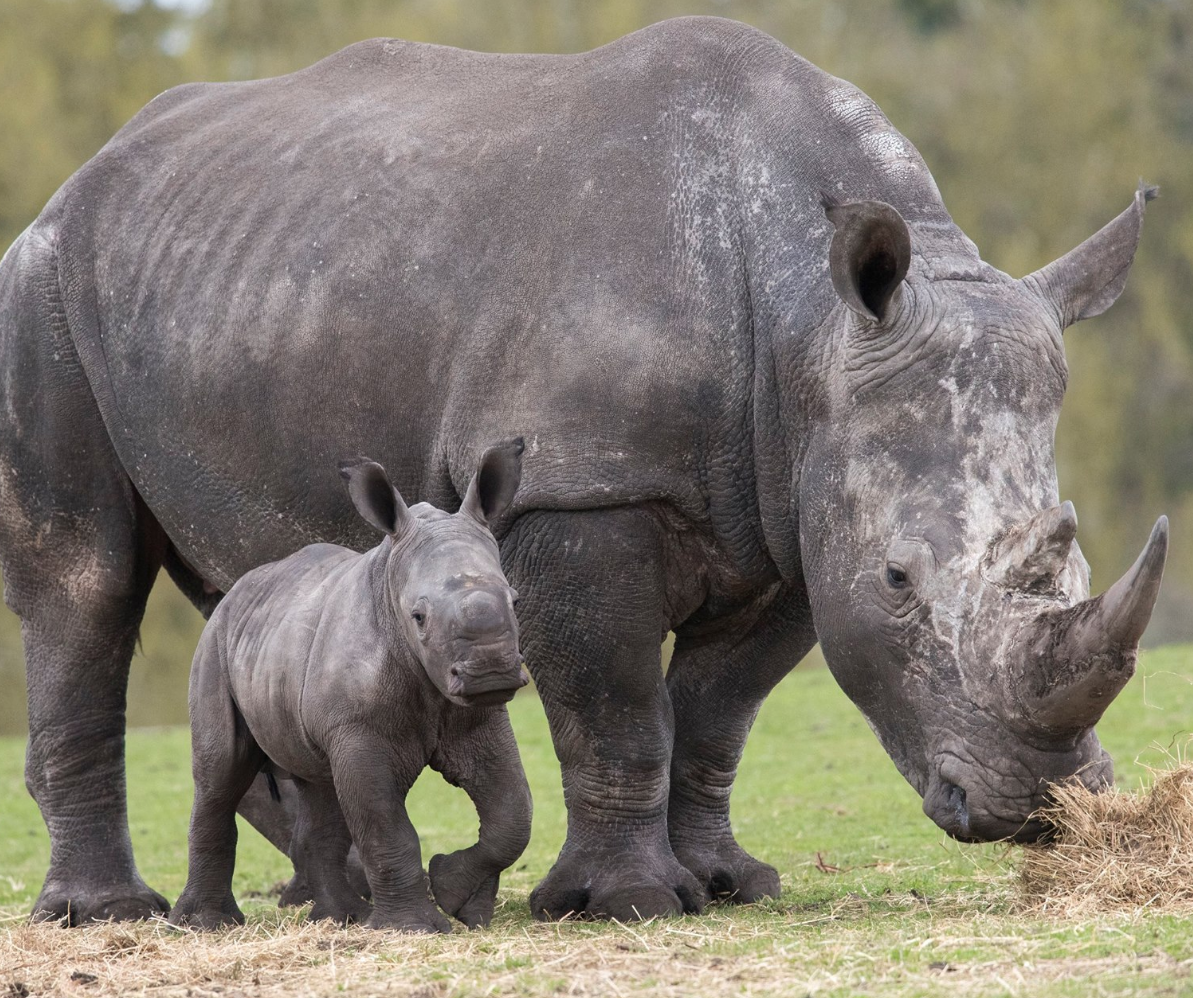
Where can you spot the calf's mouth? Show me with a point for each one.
(484, 683)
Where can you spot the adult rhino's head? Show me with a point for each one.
(446, 594)
(947, 587)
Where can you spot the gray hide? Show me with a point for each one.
(770, 393)
(348, 674)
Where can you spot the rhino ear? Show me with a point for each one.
(496, 480)
(869, 255)
(1087, 280)
(374, 497)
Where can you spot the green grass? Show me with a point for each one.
(910, 911)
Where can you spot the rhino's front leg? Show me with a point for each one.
(371, 784)
(477, 752)
(717, 684)
(591, 618)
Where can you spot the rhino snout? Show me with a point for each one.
(480, 614)
(964, 800)
(484, 682)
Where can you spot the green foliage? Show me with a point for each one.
(1037, 120)
(71, 73)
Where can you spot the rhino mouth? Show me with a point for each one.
(480, 685)
(961, 801)
(949, 808)
(490, 699)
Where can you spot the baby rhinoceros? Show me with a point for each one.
(349, 673)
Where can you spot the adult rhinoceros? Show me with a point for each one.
(770, 394)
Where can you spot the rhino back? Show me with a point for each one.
(295, 632)
(409, 251)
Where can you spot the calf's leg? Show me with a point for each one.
(477, 752)
(224, 761)
(319, 849)
(276, 820)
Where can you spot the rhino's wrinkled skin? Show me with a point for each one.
(769, 393)
(350, 673)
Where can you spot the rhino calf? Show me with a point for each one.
(348, 673)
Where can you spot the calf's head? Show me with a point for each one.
(444, 591)
(947, 587)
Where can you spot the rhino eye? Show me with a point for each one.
(420, 618)
(896, 578)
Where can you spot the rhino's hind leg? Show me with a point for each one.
(717, 684)
(319, 850)
(592, 613)
(275, 820)
(78, 646)
(79, 554)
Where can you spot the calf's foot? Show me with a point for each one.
(296, 893)
(461, 892)
(342, 912)
(423, 918)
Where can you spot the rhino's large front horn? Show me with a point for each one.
(1076, 660)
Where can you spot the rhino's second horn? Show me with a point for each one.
(1036, 551)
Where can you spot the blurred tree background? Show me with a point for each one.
(1037, 119)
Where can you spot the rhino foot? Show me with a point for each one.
(594, 887)
(423, 918)
(203, 913)
(298, 890)
(340, 912)
(75, 904)
(296, 893)
(730, 874)
(459, 891)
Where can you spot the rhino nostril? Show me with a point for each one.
(455, 670)
(955, 796)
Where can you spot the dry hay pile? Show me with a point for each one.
(1115, 850)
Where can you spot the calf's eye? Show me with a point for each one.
(896, 578)
(420, 618)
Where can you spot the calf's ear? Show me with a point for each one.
(869, 255)
(1087, 280)
(496, 480)
(374, 497)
